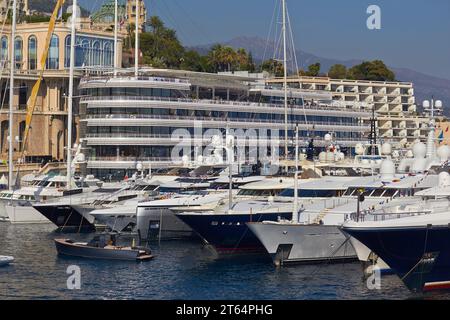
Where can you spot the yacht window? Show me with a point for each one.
(377, 192)
(349, 192)
(309, 193)
(390, 192)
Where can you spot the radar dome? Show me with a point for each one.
(330, 156)
(80, 158)
(216, 140)
(419, 165)
(443, 152)
(444, 179)
(185, 159)
(322, 156)
(359, 149)
(387, 170)
(327, 137)
(386, 149)
(419, 150)
(139, 166)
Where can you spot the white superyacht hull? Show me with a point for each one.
(298, 243)
(24, 214)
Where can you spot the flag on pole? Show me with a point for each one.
(446, 130)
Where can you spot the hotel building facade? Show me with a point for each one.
(127, 120)
(398, 119)
(48, 133)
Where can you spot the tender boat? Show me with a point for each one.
(5, 260)
(99, 248)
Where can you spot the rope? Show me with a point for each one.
(81, 222)
(64, 225)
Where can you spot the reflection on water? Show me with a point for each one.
(181, 270)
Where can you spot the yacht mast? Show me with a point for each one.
(115, 37)
(11, 95)
(285, 82)
(136, 42)
(70, 100)
(295, 215)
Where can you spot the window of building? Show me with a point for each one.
(23, 98)
(4, 135)
(4, 48)
(32, 53)
(53, 53)
(18, 51)
(96, 53)
(108, 55)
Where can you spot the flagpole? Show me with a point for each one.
(136, 42)
(115, 37)
(70, 100)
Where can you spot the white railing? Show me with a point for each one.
(218, 102)
(192, 118)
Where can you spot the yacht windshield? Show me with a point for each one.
(310, 193)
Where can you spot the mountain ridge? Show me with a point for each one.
(425, 85)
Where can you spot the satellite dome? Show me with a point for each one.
(80, 157)
(443, 152)
(216, 140)
(359, 149)
(387, 170)
(386, 149)
(419, 165)
(419, 150)
(444, 179)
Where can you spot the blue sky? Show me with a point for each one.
(414, 34)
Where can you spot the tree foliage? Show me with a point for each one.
(272, 66)
(374, 70)
(161, 48)
(338, 71)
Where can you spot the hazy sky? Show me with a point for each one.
(414, 33)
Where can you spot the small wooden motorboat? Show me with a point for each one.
(99, 248)
(5, 260)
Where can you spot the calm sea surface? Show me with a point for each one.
(181, 270)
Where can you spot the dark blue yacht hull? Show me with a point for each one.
(66, 218)
(420, 256)
(228, 232)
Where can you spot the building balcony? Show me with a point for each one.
(139, 139)
(217, 105)
(189, 121)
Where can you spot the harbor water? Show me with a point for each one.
(181, 270)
